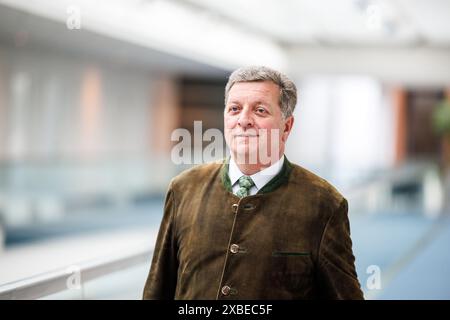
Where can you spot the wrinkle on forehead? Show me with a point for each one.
(255, 92)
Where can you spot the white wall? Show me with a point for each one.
(343, 127)
(409, 66)
(55, 106)
(72, 125)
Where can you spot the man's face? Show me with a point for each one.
(254, 125)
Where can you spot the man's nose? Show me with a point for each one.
(245, 119)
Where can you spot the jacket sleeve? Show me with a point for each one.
(336, 263)
(162, 278)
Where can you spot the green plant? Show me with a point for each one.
(441, 118)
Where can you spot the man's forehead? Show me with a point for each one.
(254, 84)
(266, 88)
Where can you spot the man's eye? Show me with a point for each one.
(260, 110)
(234, 108)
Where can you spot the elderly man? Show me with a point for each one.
(255, 226)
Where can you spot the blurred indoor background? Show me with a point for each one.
(90, 92)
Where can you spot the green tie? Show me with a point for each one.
(245, 183)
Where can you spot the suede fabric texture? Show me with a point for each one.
(289, 241)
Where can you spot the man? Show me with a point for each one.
(255, 226)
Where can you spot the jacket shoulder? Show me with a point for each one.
(318, 186)
(197, 174)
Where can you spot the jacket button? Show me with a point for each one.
(234, 248)
(234, 207)
(225, 290)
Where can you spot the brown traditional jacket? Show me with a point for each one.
(289, 241)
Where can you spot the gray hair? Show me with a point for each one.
(288, 91)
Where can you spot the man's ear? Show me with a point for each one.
(288, 123)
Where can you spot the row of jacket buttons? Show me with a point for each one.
(234, 248)
(226, 290)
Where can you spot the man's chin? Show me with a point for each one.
(246, 156)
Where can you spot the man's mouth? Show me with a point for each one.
(245, 135)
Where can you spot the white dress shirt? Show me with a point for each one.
(260, 178)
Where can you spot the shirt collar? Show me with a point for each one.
(261, 178)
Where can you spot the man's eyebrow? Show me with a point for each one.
(258, 102)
